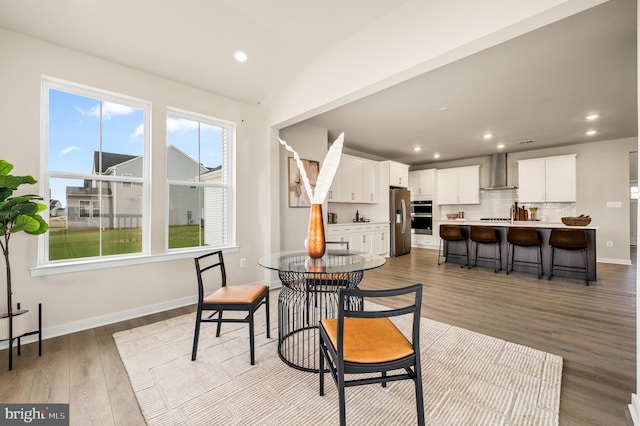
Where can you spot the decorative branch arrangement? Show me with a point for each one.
(327, 170)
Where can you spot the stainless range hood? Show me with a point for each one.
(498, 173)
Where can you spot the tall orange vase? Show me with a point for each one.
(315, 243)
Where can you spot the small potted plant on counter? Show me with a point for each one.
(19, 213)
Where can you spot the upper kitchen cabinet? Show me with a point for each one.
(550, 179)
(398, 173)
(459, 185)
(355, 181)
(422, 183)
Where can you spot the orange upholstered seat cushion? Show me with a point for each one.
(369, 340)
(236, 294)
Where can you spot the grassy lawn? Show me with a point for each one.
(76, 243)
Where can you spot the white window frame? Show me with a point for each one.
(230, 186)
(45, 266)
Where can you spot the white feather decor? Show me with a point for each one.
(327, 171)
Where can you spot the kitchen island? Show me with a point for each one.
(562, 257)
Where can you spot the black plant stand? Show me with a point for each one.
(13, 338)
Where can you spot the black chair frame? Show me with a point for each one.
(511, 247)
(219, 307)
(497, 253)
(443, 249)
(334, 357)
(554, 267)
(527, 263)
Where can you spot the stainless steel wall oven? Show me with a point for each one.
(422, 217)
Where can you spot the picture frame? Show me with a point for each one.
(297, 194)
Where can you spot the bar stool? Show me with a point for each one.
(487, 235)
(449, 233)
(570, 240)
(524, 237)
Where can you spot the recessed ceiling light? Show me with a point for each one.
(443, 109)
(592, 117)
(487, 135)
(240, 56)
(436, 155)
(591, 132)
(417, 148)
(500, 146)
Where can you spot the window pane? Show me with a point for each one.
(197, 217)
(193, 148)
(74, 132)
(185, 218)
(95, 218)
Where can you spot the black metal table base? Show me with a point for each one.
(305, 299)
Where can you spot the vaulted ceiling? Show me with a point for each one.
(537, 87)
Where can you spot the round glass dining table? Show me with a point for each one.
(310, 293)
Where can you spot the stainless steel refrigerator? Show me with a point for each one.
(399, 204)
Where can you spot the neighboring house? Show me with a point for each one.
(119, 204)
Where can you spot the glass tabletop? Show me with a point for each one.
(333, 261)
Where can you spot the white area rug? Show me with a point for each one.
(468, 379)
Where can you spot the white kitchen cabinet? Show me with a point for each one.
(369, 181)
(355, 181)
(422, 183)
(365, 237)
(398, 173)
(459, 185)
(381, 239)
(549, 179)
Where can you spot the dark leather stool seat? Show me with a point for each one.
(524, 237)
(451, 233)
(570, 240)
(487, 235)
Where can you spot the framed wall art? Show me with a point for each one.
(297, 195)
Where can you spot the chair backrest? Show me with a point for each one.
(342, 243)
(568, 239)
(351, 305)
(483, 234)
(523, 236)
(450, 232)
(208, 262)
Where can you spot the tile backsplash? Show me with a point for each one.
(497, 204)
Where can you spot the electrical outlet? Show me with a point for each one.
(614, 204)
(243, 262)
(609, 243)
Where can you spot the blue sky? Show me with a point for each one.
(74, 136)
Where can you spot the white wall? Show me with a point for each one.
(80, 299)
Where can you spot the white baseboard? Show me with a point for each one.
(634, 409)
(88, 323)
(614, 261)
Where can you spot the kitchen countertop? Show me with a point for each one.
(358, 223)
(506, 223)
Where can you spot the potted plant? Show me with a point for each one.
(19, 213)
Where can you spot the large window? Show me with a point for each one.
(200, 181)
(96, 167)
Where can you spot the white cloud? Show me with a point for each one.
(67, 150)
(180, 125)
(108, 110)
(139, 131)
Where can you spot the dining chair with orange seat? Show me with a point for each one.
(246, 298)
(364, 340)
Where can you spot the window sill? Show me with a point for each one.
(93, 264)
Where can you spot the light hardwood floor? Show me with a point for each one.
(592, 328)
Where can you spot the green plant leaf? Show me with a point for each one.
(44, 226)
(25, 223)
(5, 167)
